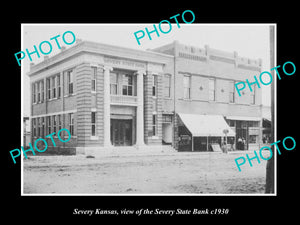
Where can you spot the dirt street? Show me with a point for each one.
(173, 173)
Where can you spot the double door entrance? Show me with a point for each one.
(121, 132)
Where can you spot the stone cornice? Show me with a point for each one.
(101, 49)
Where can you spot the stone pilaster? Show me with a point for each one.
(140, 109)
(106, 109)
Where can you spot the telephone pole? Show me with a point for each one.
(270, 163)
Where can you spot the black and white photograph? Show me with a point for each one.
(157, 115)
(180, 113)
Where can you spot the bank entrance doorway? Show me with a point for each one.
(121, 132)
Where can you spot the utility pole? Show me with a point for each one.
(270, 163)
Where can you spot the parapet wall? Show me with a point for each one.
(205, 54)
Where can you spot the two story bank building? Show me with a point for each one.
(175, 96)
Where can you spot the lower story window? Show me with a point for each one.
(49, 124)
(93, 123)
(34, 126)
(54, 124)
(71, 123)
(154, 124)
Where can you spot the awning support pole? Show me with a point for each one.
(192, 143)
(207, 144)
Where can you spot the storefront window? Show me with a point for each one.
(253, 139)
(167, 119)
(253, 123)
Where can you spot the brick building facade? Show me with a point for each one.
(109, 96)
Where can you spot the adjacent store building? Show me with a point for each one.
(175, 95)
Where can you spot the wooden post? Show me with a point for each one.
(270, 163)
(192, 143)
(207, 144)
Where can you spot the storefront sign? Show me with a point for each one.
(124, 63)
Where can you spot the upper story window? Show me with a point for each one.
(186, 87)
(154, 85)
(252, 95)
(48, 88)
(38, 91)
(53, 87)
(58, 86)
(33, 93)
(94, 74)
(127, 84)
(231, 92)
(70, 80)
(113, 83)
(167, 86)
(42, 90)
(212, 89)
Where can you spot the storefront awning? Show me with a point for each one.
(206, 125)
(246, 118)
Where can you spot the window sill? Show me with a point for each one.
(69, 95)
(186, 99)
(53, 99)
(94, 138)
(36, 103)
(155, 137)
(66, 137)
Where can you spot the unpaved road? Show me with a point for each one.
(176, 173)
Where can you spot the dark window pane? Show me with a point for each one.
(93, 130)
(129, 90)
(93, 85)
(124, 90)
(93, 117)
(71, 88)
(129, 79)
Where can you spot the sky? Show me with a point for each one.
(248, 40)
